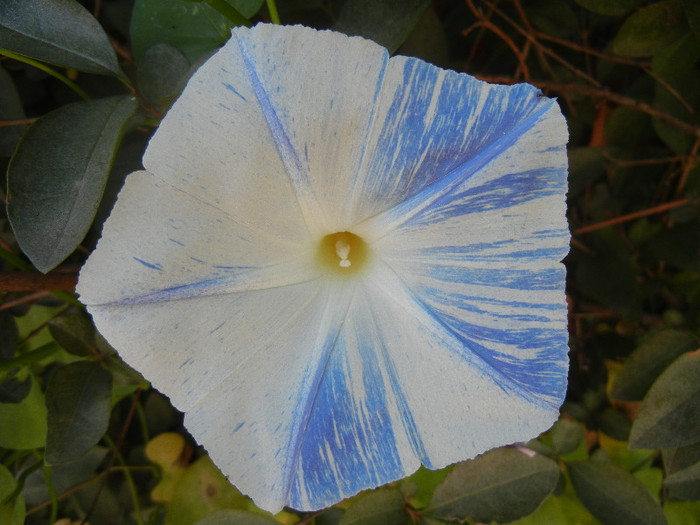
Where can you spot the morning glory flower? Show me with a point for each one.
(341, 265)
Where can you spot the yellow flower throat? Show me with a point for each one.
(342, 253)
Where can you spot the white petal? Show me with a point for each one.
(162, 244)
(320, 131)
(188, 347)
(429, 122)
(254, 421)
(484, 255)
(215, 144)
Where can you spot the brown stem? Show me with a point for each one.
(20, 122)
(36, 282)
(631, 216)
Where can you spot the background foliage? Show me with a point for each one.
(84, 84)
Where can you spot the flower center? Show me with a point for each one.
(342, 252)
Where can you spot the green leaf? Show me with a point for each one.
(12, 512)
(24, 424)
(684, 484)
(612, 282)
(61, 32)
(650, 29)
(387, 22)
(648, 361)
(676, 66)
(78, 406)
(502, 485)
(420, 486)
(586, 165)
(554, 18)
(247, 8)
(236, 517)
(382, 507)
(609, 7)
(75, 332)
(13, 389)
(193, 28)
(10, 109)
(669, 416)
(162, 74)
(682, 513)
(613, 495)
(566, 436)
(201, 490)
(8, 335)
(678, 458)
(58, 173)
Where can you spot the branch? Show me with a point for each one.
(36, 282)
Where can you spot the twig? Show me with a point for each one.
(34, 282)
(20, 122)
(23, 300)
(500, 34)
(688, 166)
(632, 216)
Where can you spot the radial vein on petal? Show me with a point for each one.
(377, 226)
(298, 175)
(395, 287)
(333, 320)
(247, 280)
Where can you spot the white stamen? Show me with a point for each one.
(342, 248)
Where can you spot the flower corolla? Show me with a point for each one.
(341, 265)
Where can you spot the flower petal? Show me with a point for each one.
(429, 122)
(215, 145)
(187, 347)
(321, 130)
(483, 256)
(254, 421)
(163, 244)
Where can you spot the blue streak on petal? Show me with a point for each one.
(297, 173)
(443, 188)
(347, 446)
(233, 90)
(474, 354)
(403, 406)
(149, 265)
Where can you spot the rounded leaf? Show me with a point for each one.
(61, 32)
(58, 173)
(11, 511)
(502, 485)
(387, 22)
(194, 28)
(684, 484)
(236, 517)
(78, 406)
(669, 416)
(24, 424)
(650, 29)
(613, 495)
(647, 362)
(383, 507)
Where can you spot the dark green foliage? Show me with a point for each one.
(613, 495)
(502, 485)
(75, 420)
(58, 173)
(383, 507)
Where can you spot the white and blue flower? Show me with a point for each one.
(341, 265)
